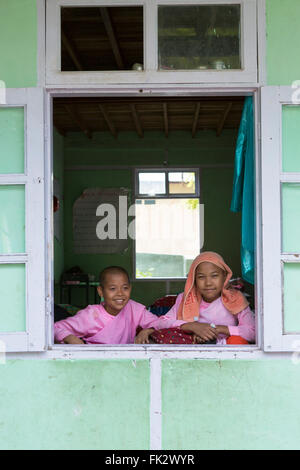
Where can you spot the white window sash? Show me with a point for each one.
(54, 76)
(272, 100)
(33, 338)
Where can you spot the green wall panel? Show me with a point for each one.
(291, 277)
(291, 217)
(216, 405)
(18, 43)
(12, 295)
(74, 405)
(12, 219)
(283, 37)
(290, 138)
(12, 140)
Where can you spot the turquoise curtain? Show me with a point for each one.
(244, 189)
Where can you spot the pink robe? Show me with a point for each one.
(241, 324)
(96, 326)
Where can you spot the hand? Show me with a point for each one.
(203, 332)
(143, 336)
(222, 330)
(72, 339)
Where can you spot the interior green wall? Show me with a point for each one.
(58, 173)
(18, 43)
(154, 149)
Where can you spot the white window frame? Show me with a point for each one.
(34, 336)
(196, 195)
(248, 75)
(133, 350)
(273, 98)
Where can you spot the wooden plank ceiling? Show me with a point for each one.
(90, 115)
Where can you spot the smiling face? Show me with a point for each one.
(116, 290)
(209, 280)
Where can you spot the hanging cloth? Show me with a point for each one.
(243, 189)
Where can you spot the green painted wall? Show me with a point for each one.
(283, 66)
(18, 43)
(231, 405)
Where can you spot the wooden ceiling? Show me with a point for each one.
(90, 115)
(101, 38)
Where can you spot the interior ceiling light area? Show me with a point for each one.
(90, 115)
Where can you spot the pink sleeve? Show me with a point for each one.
(169, 320)
(77, 325)
(245, 327)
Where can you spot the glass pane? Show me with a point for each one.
(11, 140)
(12, 294)
(181, 183)
(167, 237)
(152, 183)
(291, 218)
(290, 138)
(199, 37)
(102, 38)
(291, 298)
(12, 219)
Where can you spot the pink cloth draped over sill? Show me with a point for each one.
(96, 326)
(232, 299)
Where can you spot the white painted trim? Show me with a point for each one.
(53, 57)
(290, 177)
(273, 98)
(261, 42)
(150, 351)
(258, 212)
(155, 404)
(33, 339)
(271, 128)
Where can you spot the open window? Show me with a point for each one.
(22, 234)
(144, 153)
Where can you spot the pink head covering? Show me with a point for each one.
(233, 300)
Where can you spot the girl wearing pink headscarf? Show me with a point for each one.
(212, 311)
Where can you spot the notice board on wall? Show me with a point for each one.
(100, 221)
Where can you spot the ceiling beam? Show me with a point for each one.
(112, 37)
(195, 120)
(77, 119)
(108, 120)
(223, 119)
(166, 121)
(71, 50)
(136, 119)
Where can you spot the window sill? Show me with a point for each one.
(134, 351)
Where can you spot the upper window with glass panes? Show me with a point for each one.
(151, 41)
